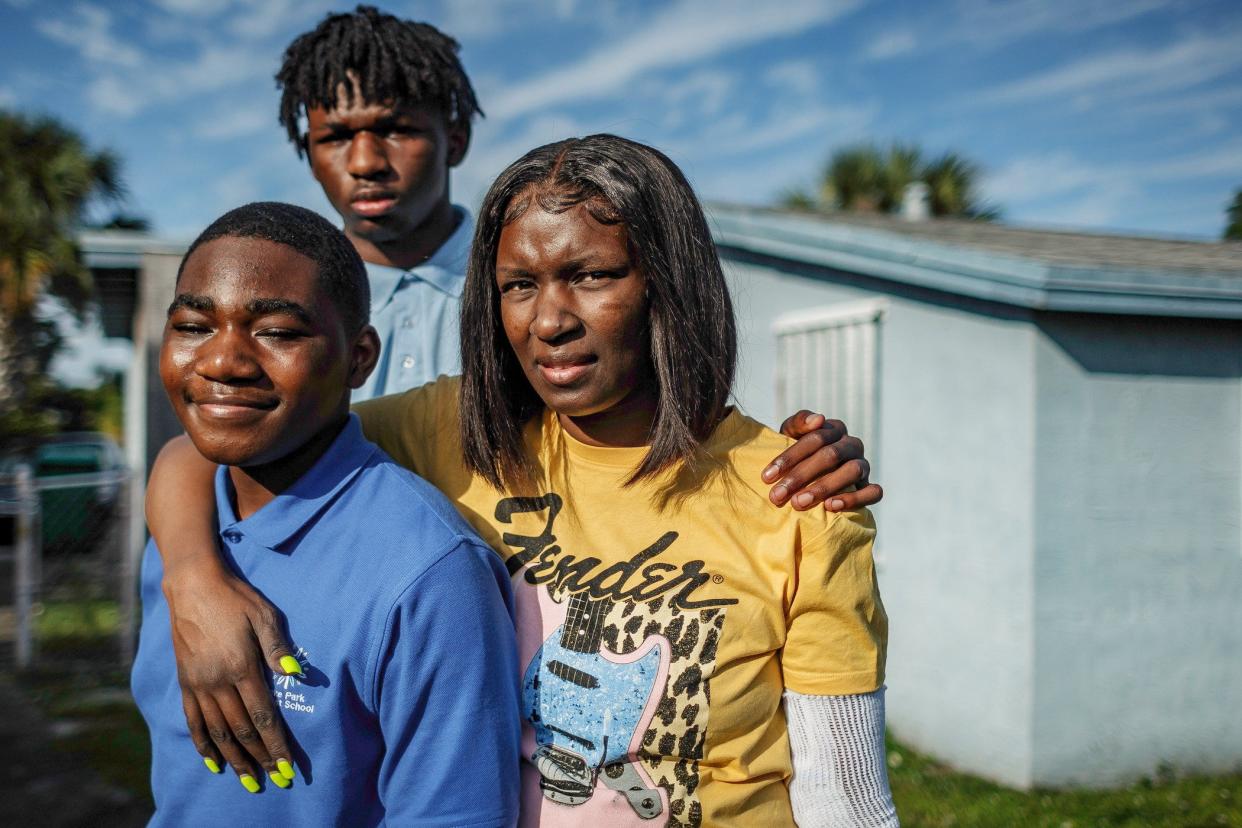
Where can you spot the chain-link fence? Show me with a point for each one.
(66, 566)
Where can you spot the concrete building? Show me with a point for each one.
(134, 275)
(1057, 421)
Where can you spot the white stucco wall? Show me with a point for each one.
(1138, 612)
(955, 548)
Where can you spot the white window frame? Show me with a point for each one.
(828, 360)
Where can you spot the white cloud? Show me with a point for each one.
(800, 76)
(8, 98)
(193, 8)
(258, 19)
(1059, 188)
(990, 23)
(238, 122)
(1224, 161)
(892, 44)
(1030, 178)
(686, 33)
(479, 19)
(214, 68)
(1131, 73)
(89, 31)
(700, 94)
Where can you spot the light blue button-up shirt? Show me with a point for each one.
(416, 314)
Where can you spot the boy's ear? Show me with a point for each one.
(458, 142)
(363, 356)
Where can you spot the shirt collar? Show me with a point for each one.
(298, 505)
(445, 270)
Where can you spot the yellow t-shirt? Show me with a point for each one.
(658, 624)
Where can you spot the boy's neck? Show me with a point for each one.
(256, 486)
(413, 248)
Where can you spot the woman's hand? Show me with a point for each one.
(221, 632)
(826, 466)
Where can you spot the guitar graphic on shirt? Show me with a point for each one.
(589, 707)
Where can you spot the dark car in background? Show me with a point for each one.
(80, 478)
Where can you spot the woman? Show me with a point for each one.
(664, 609)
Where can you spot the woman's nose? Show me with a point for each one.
(553, 316)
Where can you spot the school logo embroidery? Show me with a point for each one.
(617, 660)
(284, 692)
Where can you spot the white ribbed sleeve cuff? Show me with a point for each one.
(840, 779)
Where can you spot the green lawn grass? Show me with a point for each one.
(929, 795)
(111, 737)
(78, 684)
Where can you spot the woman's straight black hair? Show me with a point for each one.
(693, 334)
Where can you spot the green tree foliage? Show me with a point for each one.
(1233, 230)
(868, 178)
(49, 178)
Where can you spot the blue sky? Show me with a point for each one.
(1107, 114)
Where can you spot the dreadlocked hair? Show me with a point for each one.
(381, 58)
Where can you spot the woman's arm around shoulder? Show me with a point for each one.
(222, 630)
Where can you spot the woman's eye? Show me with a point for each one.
(595, 275)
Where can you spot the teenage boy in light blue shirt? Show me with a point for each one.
(403, 706)
(381, 108)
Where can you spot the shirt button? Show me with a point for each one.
(232, 535)
(408, 322)
(407, 362)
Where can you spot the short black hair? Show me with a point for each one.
(690, 315)
(342, 275)
(402, 61)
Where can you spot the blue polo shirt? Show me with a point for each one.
(402, 619)
(415, 312)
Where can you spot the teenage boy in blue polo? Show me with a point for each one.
(405, 710)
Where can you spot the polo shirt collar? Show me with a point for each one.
(291, 510)
(445, 270)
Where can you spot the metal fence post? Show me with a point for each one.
(25, 580)
(131, 556)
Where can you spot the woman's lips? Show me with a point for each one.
(565, 374)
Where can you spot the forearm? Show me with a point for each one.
(180, 508)
(840, 776)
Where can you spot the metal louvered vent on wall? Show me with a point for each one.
(828, 361)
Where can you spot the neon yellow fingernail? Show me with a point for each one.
(290, 665)
(211, 765)
(249, 782)
(286, 769)
(278, 780)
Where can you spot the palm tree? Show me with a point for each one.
(48, 180)
(1234, 213)
(952, 183)
(866, 178)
